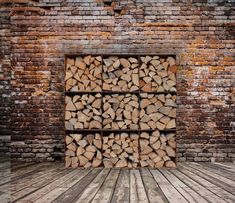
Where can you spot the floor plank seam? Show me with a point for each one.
(144, 185)
(204, 186)
(192, 188)
(162, 192)
(115, 185)
(63, 193)
(63, 170)
(217, 181)
(100, 185)
(172, 184)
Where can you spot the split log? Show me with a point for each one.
(155, 151)
(83, 151)
(121, 150)
(83, 112)
(83, 74)
(157, 74)
(157, 111)
(120, 74)
(120, 111)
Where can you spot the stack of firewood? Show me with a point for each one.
(157, 74)
(120, 111)
(83, 74)
(157, 150)
(121, 150)
(120, 74)
(83, 151)
(83, 112)
(114, 95)
(157, 111)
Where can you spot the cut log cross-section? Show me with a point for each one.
(84, 151)
(83, 112)
(120, 74)
(157, 74)
(120, 111)
(121, 150)
(157, 111)
(83, 74)
(157, 150)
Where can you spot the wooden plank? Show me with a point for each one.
(14, 176)
(16, 197)
(57, 185)
(5, 165)
(229, 167)
(53, 194)
(137, 190)
(223, 194)
(121, 191)
(218, 180)
(4, 159)
(73, 193)
(5, 188)
(220, 168)
(215, 170)
(27, 169)
(59, 182)
(93, 187)
(5, 197)
(34, 178)
(197, 187)
(227, 164)
(5, 176)
(22, 165)
(37, 184)
(106, 191)
(186, 191)
(74, 179)
(25, 172)
(169, 191)
(154, 193)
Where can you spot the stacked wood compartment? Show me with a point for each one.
(122, 109)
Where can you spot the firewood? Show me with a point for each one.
(72, 147)
(107, 163)
(170, 151)
(154, 149)
(120, 74)
(84, 74)
(156, 75)
(171, 124)
(157, 111)
(87, 109)
(170, 164)
(76, 137)
(68, 139)
(120, 111)
(121, 151)
(83, 151)
(68, 161)
(96, 162)
(121, 163)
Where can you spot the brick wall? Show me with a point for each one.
(5, 68)
(198, 32)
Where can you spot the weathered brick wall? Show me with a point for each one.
(5, 64)
(198, 32)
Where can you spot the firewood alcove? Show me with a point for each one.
(120, 111)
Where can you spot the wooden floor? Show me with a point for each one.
(51, 182)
